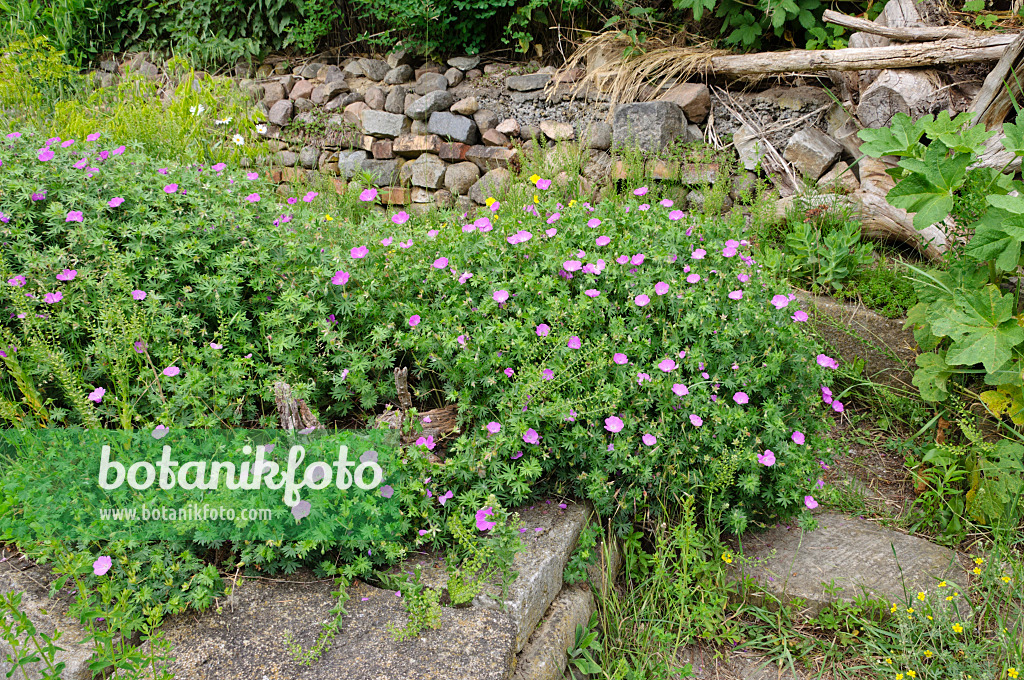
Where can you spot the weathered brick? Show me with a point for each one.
(453, 152)
(490, 157)
(383, 150)
(410, 146)
(394, 196)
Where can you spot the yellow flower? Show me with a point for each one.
(976, 570)
(957, 628)
(899, 676)
(534, 178)
(927, 653)
(888, 661)
(979, 560)
(920, 596)
(948, 598)
(572, 202)
(490, 201)
(328, 218)
(1005, 579)
(911, 674)
(930, 617)
(910, 610)
(1011, 672)
(727, 557)
(893, 608)
(942, 584)
(536, 199)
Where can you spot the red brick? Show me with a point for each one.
(410, 146)
(394, 196)
(383, 150)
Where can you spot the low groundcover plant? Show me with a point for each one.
(622, 353)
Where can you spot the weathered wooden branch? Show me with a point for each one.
(910, 55)
(900, 33)
(402, 387)
(1001, 87)
(293, 413)
(914, 92)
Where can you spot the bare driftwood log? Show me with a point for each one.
(908, 33)
(1001, 87)
(402, 387)
(437, 423)
(914, 92)
(293, 413)
(911, 55)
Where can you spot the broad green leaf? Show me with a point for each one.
(1014, 139)
(916, 194)
(902, 138)
(1012, 204)
(971, 140)
(983, 328)
(993, 243)
(931, 376)
(917, 318)
(943, 171)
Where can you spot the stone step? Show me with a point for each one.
(845, 557)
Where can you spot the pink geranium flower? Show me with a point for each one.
(740, 398)
(359, 252)
(53, 298)
(116, 201)
(810, 502)
(500, 296)
(340, 278)
(171, 371)
(661, 288)
(97, 395)
(543, 330)
(494, 427)
(574, 342)
(138, 295)
(798, 437)
(696, 420)
(531, 437)
(102, 565)
(680, 390)
(620, 358)
(67, 275)
(441, 263)
(368, 195)
(780, 301)
(667, 365)
(414, 320)
(400, 217)
(827, 361)
(613, 424)
(649, 440)
(481, 519)
(74, 216)
(767, 458)
(641, 300)
(170, 188)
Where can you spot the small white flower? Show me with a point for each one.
(238, 139)
(196, 110)
(261, 128)
(222, 121)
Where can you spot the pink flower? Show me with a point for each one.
(637, 260)
(693, 278)
(405, 244)
(675, 215)
(767, 458)
(494, 427)
(574, 342)
(572, 265)
(620, 358)
(826, 361)
(45, 154)
(359, 252)
(642, 191)
(554, 218)
(542, 330)
(593, 223)
(740, 398)
(548, 374)
(798, 437)
(602, 241)
(93, 137)
(531, 437)
(641, 377)
(340, 278)
(509, 372)
(67, 275)
(368, 195)
(543, 184)
(427, 441)
(53, 298)
(441, 263)
(414, 320)
(500, 296)
(253, 198)
(18, 281)
(698, 254)
(613, 424)
(649, 440)
(481, 519)
(461, 340)
(102, 565)
(386, 241)
(780, 301)
(74, 216)
(445, 497)
(116, 201)
(466, 276)
(641, 300)
(550, 232)
(483, 224)
(219, 167)
(310, 195)
(810, 502)
(667, 365)
(837, 406)
(214, 345)
(97, 395)
(171, 371)
(592, 292)
(736, 295)
(799, 316)
(138, 295)
(118, 151)
(400, 217)
(680, 390)
(170, 188)
(696, 420)
(252, 176)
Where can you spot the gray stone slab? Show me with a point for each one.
(246, 640)
(854, 555)
(528, 83)
(648, 125)
(544, 657)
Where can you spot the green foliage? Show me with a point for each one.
(219, 265)
(749, 25)
(886, 289)
(34, 77)
(28, 646)
(422, 606)
(473, 562)
(827, 261)
(585, 555)
(585, 646)
(966, 317)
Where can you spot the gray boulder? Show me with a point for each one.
(395, 101)
(398, 75)
(383, 124)
(429, 82)
(438, 100)
(528, 83)
(452, 127)
(383, 173)
(351, 162)
(281, 112)
(494, 182)
(465, 63)
(597, 135)
(374, 69)
(460, 177)
(812, 152)
(650, 126)
(308, 157)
